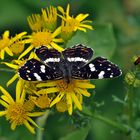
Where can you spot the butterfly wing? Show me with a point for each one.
(98, 68)
(78, 55)
(34, 70)
(50, 57)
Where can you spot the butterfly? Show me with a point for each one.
(73, 63)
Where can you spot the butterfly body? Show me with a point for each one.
(65, 67)
(72, 63)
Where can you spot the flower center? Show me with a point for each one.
(4, 43)
(17, 47)
(64, 86)
(42, 38)
(16, 113)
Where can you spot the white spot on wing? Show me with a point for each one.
(52, 60)
(101, 75)
(37, 77)
(28, 71)
(42, 68)
(92, 67)
(77, 59)
(29, 78)
(108, 69)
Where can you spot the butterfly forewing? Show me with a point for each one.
(78, 55)
(50, 57)
(98, 68)
(33, 70)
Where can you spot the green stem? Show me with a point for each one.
(7, 70)
(41, 121)
(130, 105)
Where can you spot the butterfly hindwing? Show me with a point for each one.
(34, 70)
(50, 57)
(98, 68)
(78, 55)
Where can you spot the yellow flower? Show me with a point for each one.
(16, 111)
(49, 16)
(46, 20)
(6, 44)
(78, 23)
(45, 38)
(42, 101)
(17, 44)
(66, 92)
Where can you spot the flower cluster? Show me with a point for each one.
(33, 98)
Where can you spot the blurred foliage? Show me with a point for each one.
(116, 36)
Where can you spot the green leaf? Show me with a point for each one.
(101, 39)
(80, 134)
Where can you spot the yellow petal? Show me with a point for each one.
(5, 99)
(81, 91)
(81, 17)
(32, 122)
(86, 26)
(6, 94)
(6, 34)
(17, 37)
(2, 52)
(68, 10)
(48, 90)
(12, 80)
(26, 51)
(29, 127)
(82, 29)
(22, 98)
(54, 45)
(35, 114)
(28, 40)
(84, 85)
(56, 32)
(61, 9)
(32, 55)
(8, 51)
(58, 40)
(13, 125)
(57, 99)
(48, 84)
(86, 21)
(18, 90)
(2, 113)
(4, 103)
(76, 101)
(69, 103)
(11, 65)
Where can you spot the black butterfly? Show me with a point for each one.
(72, 63)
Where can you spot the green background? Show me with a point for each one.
(116, 36)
